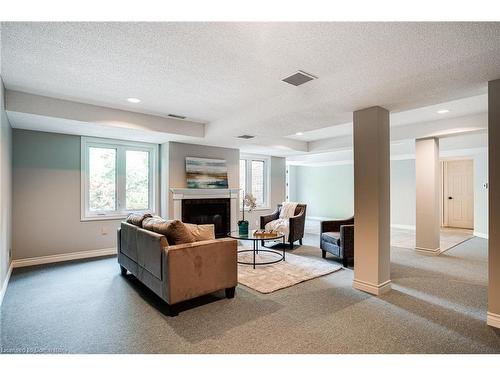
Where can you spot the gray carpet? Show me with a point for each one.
(437, 305)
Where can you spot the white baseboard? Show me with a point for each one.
(5, 283)
(62, 257)
(375, 289)
(424, 250)
(396, 226)
(318, 218)
(480, 235)
(403, 226)
(493, 319)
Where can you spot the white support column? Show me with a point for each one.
(493, 318)
(372, 200)
(428, 187)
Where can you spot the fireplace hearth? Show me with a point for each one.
(215, 211)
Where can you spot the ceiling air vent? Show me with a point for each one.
(299, 78)
(246, 136)
(176, 116)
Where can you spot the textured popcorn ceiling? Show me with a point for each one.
(229, 74)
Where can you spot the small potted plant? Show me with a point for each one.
(250, 202)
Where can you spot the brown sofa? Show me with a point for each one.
(180, 272)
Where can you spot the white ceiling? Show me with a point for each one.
(228, 75)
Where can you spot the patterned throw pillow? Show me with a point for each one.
(137, 219)
(156, 224)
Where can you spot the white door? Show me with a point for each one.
(459, 193)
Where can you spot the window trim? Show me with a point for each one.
(267, 178)
(120, 193)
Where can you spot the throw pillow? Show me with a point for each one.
(202, 232)
(156, 224)
(137, 219)
(178, 233)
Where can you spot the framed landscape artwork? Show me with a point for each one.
(204, 173)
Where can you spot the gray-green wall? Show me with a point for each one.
(5, 192)
(403, 192)
(46, 198)
(328, 191)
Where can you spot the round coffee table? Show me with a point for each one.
(255, 240)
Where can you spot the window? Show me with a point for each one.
(254, 178)
(117, 178)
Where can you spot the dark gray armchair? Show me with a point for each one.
(337, 238)
(296, 225)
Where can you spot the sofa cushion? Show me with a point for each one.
(331, 237)
(178, 233)
(156, 224)
(202, 232)
(137, 219)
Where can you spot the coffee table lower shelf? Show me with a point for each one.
(255, 250)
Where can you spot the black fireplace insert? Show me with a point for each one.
(215, 211)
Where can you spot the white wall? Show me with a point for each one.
(5, 192)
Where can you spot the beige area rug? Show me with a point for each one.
(450, 237)
(270, 278)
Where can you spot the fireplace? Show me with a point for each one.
(213, 200)
(215, 211)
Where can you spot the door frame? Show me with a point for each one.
(444, 188)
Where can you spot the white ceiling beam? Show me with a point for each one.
(16, 101)
(476, 123)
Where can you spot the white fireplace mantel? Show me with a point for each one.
(178, 194)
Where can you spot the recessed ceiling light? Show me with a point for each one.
(299, 133)
(443, 111)
(133, 100)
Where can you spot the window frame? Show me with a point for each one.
(248, 158)
(121, 148)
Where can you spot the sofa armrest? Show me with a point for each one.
(119, 240)
(199, 268)
(149, 255)
(296, 226)
(267, 218)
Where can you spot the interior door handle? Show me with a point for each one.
(450, 197)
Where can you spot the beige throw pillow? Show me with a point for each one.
(202, 232)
